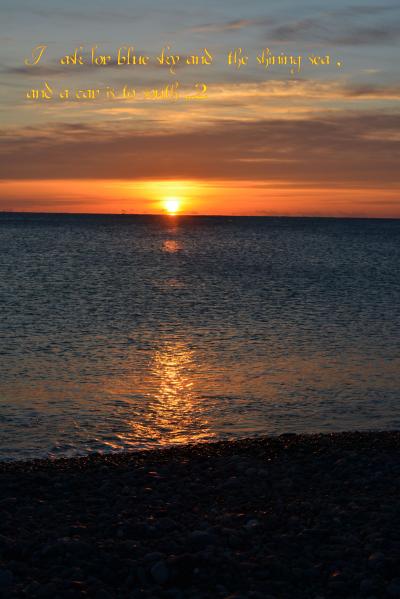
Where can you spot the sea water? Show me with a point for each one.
(130, 332)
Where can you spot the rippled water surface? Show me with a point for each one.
(134, 332)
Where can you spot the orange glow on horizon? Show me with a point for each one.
(197, 197)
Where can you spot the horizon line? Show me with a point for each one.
(186, 215)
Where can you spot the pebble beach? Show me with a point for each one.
(287, 517)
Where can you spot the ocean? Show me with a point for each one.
(133, 332)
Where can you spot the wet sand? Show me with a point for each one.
(291, 517)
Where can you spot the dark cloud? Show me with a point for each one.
(317, 30)
(343, 26)
(374, 35)
(335, 27)
(38, 71)
(369, 90)
(226, 26)
(363, 10)
(285, 30)
(292, 31)
(347, 149)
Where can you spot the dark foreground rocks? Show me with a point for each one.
(290, 517)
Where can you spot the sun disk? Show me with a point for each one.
(172, 205)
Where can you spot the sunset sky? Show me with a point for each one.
(323, 141)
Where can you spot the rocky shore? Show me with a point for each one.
(290, 517)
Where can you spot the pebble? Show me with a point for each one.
(393, 588)
(6, 578)
(201, 539)
(266, 518)
(251, 524)
(160, 573)
(376, 560)
(366, 586)
(155, 556)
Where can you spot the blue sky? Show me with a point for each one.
(365, 33)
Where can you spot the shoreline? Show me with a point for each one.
(249, 444)
(292, 516)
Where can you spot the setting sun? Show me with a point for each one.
(172, 205)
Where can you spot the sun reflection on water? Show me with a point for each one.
(171, 246)
(173, 413)
(177, 412)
